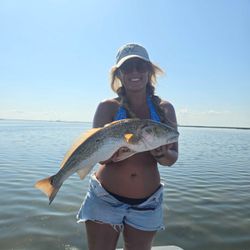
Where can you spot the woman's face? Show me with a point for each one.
(134, 74)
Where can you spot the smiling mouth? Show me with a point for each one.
(135, 79)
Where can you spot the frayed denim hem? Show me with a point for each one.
(117, 227)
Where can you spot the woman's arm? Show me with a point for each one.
(104, 114)
(167, 155)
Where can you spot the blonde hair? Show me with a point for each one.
(115, 82)
(118, 88)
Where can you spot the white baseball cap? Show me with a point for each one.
(131, 50)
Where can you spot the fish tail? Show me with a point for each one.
(47, 187)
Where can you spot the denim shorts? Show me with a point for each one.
(101, 207)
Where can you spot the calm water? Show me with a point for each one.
(207, 195)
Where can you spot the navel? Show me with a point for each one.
(133, 175)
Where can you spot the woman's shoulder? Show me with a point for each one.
(105, 112)
(109, 104)
(169, 111)
(166, 105)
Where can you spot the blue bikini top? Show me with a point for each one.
(122, 113)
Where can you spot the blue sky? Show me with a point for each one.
(55, 56)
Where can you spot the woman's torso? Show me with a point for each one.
(135, 177)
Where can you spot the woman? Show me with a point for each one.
(126, 196)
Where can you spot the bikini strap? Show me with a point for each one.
(122, 113)
(153, 114)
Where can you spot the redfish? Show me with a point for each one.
(99, 144)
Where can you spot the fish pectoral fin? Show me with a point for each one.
(82, 172)
(128, 137)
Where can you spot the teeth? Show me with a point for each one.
(135, 79)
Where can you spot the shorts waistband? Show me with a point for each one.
(99, 190)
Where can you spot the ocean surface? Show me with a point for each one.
(207, 194)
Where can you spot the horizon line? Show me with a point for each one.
(179, 125)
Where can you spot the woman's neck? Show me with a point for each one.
(137, 99)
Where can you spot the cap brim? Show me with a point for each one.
(125, 58)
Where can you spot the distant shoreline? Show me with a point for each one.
(220, 127)
(182, 126)
(30, 120)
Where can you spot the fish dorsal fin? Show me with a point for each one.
(82, 138)
(112, 123)
(89, 133)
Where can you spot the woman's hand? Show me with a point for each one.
(166, 155)
(121, 154)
